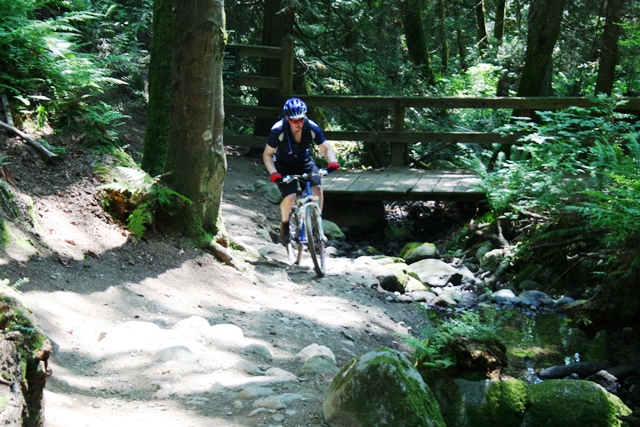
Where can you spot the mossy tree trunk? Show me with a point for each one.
(195, 155)
(158, 112)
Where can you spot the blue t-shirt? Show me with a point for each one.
(288, 150)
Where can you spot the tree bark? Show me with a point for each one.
(609, 48)
(444, 41)
(498, 29)
(412, 11)
(481, 25)
(195, 153)
(158, 112)
(545, 17)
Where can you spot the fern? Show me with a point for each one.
(138, 197)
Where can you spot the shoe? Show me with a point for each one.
(285, 238)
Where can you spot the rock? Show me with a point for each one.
(476, 359)
(319, 365)
(415, 251)
(583, 370)
(606, 380)
(534, 299)
(437, 273)
(399, 277)
(314, 350)
(357, 399)
(482, 250)
(332, 231)
(269, 191)
(493, 403)
(573, 403)
(503, 296)
(226, 335)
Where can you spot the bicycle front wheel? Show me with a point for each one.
(294, 247)
(315, 239)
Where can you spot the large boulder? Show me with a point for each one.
(437, 273)
(381, 388)
(495, 403)
(574, 403)
(398, 277)
(416, 251)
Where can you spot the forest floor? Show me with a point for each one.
(104, 299)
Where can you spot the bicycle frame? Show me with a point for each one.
(306, 225)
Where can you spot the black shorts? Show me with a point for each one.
(309, 166)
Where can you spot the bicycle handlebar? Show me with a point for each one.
(288, 178)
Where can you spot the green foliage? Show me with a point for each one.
(431, 348)
(575, 178)
(138, 198)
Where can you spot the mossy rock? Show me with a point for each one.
(574, 403)
(495, 403)
(381, 388)
(416, 251)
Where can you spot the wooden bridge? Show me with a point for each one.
(397, 183)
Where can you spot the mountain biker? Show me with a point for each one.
(287, 153)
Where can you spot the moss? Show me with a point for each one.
(4, 402)
(379, 389)
(4, 234)
(409, 247)
(574, 403)
(505, 406)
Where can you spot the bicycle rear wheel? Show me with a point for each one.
(294, 247)
(315, 239)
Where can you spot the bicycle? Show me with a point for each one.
(305, 225)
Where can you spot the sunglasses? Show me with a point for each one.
(296, 121)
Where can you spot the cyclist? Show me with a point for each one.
(287, 153)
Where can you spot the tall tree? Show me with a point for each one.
(412, 12)
(609, 47)
(158, 113)
(195, 155)
(545, 17)
(498, 28)
(481, 27)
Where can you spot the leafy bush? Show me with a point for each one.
(572, 183)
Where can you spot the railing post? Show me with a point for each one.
(286, 71)
(398, 148)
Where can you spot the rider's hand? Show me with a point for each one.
(333, 166)
(275, 177)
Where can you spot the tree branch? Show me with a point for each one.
(41, 149)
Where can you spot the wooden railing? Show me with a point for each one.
(397, 136)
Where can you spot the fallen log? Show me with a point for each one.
(41, 149)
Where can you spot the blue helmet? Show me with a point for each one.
(294, 108)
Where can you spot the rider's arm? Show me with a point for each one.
(267, 159)
(327, 151)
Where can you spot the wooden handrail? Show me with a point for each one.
(397, 137)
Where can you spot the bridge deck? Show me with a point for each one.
(402, 184)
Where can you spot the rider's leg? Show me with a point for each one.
(285, 210)
(316, 190)
(285, 206)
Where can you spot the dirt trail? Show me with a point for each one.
(132, 322)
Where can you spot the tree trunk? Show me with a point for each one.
(158, 112)
(498, 29)
(609, 48)
(277, 22)
(444, 58)
(195, 155)
(412, 11)
(481, 27)
(545, 17)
